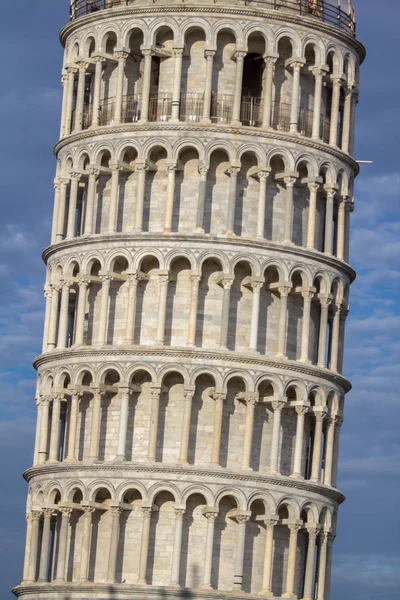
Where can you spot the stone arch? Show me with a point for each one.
(197, 22)
(292, 36)
(226, 25)
(164, 23)
(125, 487)
(209, 371)
(236, 493)
(160, 487)
(200, 489)
(98, 486)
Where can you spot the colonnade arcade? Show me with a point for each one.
(292, 316)
(188, 72)
(287, 431)
(192, 190)
(213, 538)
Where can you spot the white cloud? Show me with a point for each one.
(376, 570)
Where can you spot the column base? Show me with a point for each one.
(265, 593)
(297, 476)
(167, 230)
(183, 461)
(288, 243)
(289, 595)
(141, 582)
(127, 343)
(305, 361)
(205, 120)
(199, 230)
(281, 356)
(52, 461)
(236, 123)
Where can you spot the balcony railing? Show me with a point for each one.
(191, 111)
(327, 11)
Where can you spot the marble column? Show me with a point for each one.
(329, 444)
(148, 54)
(114, 198)
(28, 543)
(203, 170)
(48, 296)
(317, 450)
(284, 293)
(240, 546)
(44, 430)
(163, 278)
(305, 333)
(132, 279)
(323, 547)
(294, 529)
(73, 425)
(95, 425)
(35, 517)
(301, 411)
(187, 413)
(289, 209)
(338, 425)
(176, 93)
(141, 169)
(336, 86)
(73, 200)
(121, 57)
(251, 400)
(295, 104)
(70, 95)
(177, 548)
(331, 539)
(155, 408)
(83, 284)
(237, 98)
(98, 75)
(226, 300)
(341, 227)
(330, 199)
(194, 301)
(62, 546)
(219, 398)
(313, 188)
(262, 202)
(209, 55)
(256, 286)
(85, 543)
(61, 209)
(93, 173)
(169, 206)
(211, 517)
(337, 309)
(116, 512)
(80, 96)
(324, 302)
(318, 73)
(55, 296)
(144, 546)
(63, 319)
(270, 61)
(56, 207)
(347, 115)
(104, 302)
(64, 83)
(44, 555)
(55, 428)
(276, 436)
(312, 531)
(230, 224)
(270, 524)
(37, 433)
(124, 392)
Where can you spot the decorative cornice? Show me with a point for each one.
(197, 354)
(286, 17)
(175, 237)
(221, 474)
(258, 132)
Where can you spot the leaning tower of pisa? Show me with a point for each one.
(189, 394)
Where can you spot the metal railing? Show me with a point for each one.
(191, 110)
(323, 10)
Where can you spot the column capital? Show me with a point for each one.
(240, 53)
(35, 515)
(48, 512)
(56, 183)
(93, 170)
(243, 517)
(295, 62)
(82, 66)
(270, 59)
(116, 511)
(95, 389)
(313, 531)
(114, 166)
(141, 166)
(147, 51)
(66, 511)
(179, 512)
(121, 55)
(331, 189)
(308, 295)
(64, 181)
(64, 77)
(204, 169)
(313, 186)
(319, 413)
(177, 51)
(87, 510)
(188, 393)
(284, 291)
(82, 280)
(172, 166)
(302, 409)
(99, 59)
(251, 398)
(325, 300)
(337, 79)
(105, 277)
(338, 421)
(163, 277)
(234, 169)
(155, 391)
(278, 405)
(124, 389)
(209, 53)
(271, 521)
(263, 173)
(319, 70)
(146, 511)
(227, 281)
(257, 283)
(45, 400)
(295, 525)
(219, 395)
(290, 180)
(71, 69)
(195, 276)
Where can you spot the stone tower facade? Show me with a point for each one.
(189, 393)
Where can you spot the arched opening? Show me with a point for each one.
(110, 409)
(101, 536)
(130, 535)
(193, 546)
(217, 195)
(132, 101)
(81, 448)
(295, 317)
(276, 201)
(155, 190)
(178, 303)
(240, 308)
(225, 543)
(224, 74)
(162, 76)
(146, 309)
(193, 76)
(301, 205)
(254, 547)
(268, 328)
(139, 417)
(169, 430)
(203, 411)
(247, 196)
(252, 84)
(209, 305)
(128, 187)
(262, 435)
(117, 302)
(234, 416)
(186, 196)
(282, 89)
(162, 530)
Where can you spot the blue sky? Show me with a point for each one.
(366, 552)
